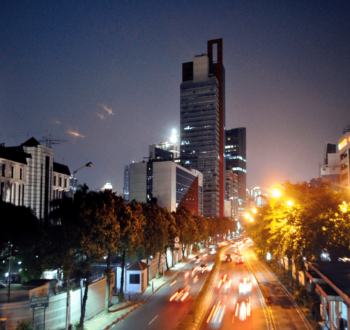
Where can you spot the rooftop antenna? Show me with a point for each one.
(49, 141)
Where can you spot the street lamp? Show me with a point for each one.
(75, 172)
(276, 193)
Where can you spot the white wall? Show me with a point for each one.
(55, 314)
(138, 182)
(164, 184)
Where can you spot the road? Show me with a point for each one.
(230, 298)
(285, 315)
(158, 312)
(277, 311)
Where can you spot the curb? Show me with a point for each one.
(144, 300)
(123, 316)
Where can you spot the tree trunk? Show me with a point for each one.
(108, 283)
(122, 275)
(83, 306)
(166, 258)
(183, 252)
(157, 276)
(68, 302)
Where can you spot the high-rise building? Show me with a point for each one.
(202, 122)
(126, 183)
(235, 153)
(231, 195)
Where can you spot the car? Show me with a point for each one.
(239, 259)
(224, 283)
(245, 286)
(194, 270)
(228, 257)
(217, 313)
(181, 295)
(197, 259)
(213, 251)
(243, 310)
(203, 268)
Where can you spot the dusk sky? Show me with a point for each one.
(66, 65)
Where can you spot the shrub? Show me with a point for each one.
(24, 325)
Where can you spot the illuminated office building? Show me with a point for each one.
(235, 153)
(202, 121)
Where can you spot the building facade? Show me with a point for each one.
(236, 160)
(344, 150)
(126, 183)
(330, 168)
(202, 122)
(13, 165)
(231, 204)
(35, 180)
(167, 184)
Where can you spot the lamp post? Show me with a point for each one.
(75, 172)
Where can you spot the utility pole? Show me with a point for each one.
(9, 287)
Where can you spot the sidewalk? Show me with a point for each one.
(118, 311)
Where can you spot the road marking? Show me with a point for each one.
(152, 320)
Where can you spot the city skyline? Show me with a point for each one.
(106, 78)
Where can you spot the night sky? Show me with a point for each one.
(105, 75)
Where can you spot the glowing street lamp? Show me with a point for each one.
(247, 215)
(290, 203)
(254, 210)
(276, 193)
(75, 172)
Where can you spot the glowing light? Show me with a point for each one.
(290, 203)
(247, 215)
(236, 313)
(222, 314)
(110, 112)
(251, 219)
(342, 144)
(75, 134)
(173, 296)
(276, 193)
(173, 136)
(254, 210)
(184, 296)
(100, 115)
(173, 283)
(219, 284)
(211, 313)
(216, 312)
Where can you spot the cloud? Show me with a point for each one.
(75, 134)
(110, 112)
(100, 115)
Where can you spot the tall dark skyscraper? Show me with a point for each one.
(202, 121)
(236, 160)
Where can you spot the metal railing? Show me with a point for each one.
(15, 296)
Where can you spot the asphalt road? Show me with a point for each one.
(250, 313)
(285, 315)
(158, 312)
